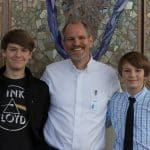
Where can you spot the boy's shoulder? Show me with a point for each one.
(38, 82)
(102, 64)
(118, 94)
(58, 64)
(103, 67)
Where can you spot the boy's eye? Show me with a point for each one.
(15, 49)
(12, 49)
(138, 70)
(126, 70)
(25, 50)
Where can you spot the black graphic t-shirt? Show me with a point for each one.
(15, 132)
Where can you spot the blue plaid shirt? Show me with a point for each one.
(116, 116)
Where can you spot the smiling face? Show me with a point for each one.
(16, 57)
(77, 42)
(133, 78)
(134, 70)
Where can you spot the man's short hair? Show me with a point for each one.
(76, 20)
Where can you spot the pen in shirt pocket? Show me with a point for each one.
(94, 100)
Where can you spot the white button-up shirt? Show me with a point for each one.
(76, 119)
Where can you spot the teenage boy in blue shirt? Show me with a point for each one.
(134, 69)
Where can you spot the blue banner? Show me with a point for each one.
(106, 38)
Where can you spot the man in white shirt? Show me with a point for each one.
(80, 88)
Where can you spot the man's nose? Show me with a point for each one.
(76, 41)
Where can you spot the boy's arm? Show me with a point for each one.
(108, 117)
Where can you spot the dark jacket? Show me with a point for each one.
(37, 94)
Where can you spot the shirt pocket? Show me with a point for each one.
(97, 103)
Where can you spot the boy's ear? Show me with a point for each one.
(3, 53)
(2, 57)
(31, 53)
(119, 76)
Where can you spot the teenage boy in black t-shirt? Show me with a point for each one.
(24, 99)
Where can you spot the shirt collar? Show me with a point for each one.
(140, 94)
(88, 67)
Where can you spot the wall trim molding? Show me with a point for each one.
(5, 6)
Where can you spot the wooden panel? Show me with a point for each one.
(147, 27)
(5, 7)
(1, 21)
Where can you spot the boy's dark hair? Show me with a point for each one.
(76, 20)
(137, 60)
(18, 36)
